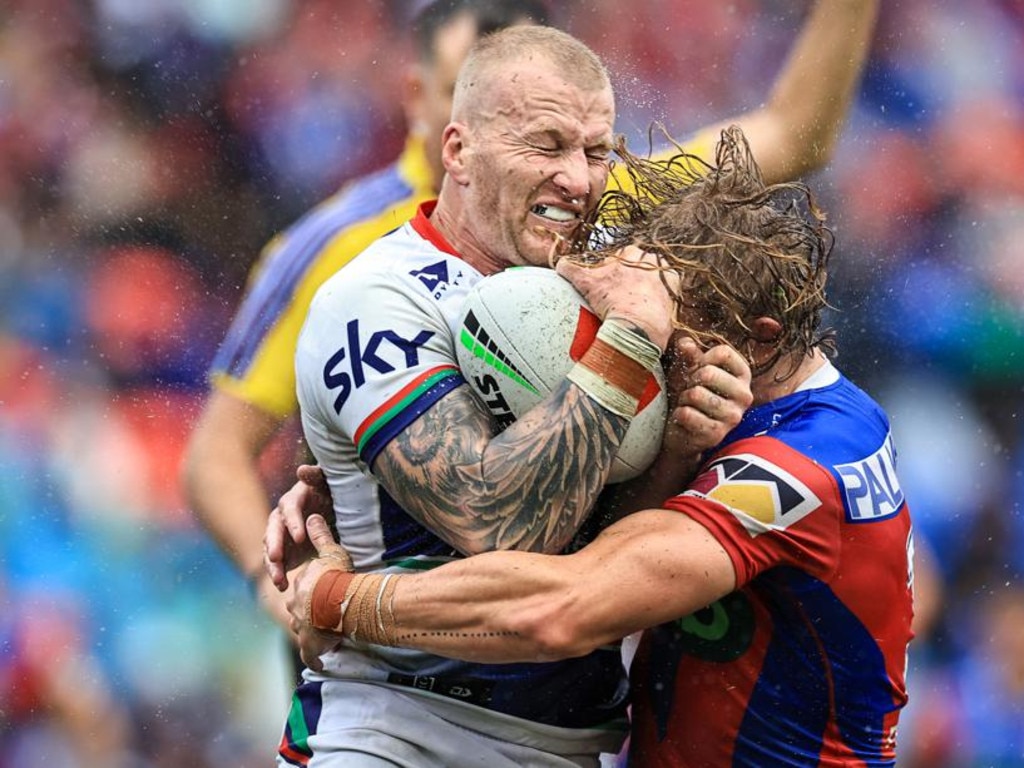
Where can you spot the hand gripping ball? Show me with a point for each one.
(520, 332)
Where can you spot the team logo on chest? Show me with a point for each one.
(762, 495)
(437, 278)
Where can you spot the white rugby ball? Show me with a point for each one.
(520, 332)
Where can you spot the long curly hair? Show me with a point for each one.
(742, 250)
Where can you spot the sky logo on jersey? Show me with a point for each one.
(871, 490)
(383, 352)
(762, 495)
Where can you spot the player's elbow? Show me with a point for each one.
(786, 152)
(817, 150)
(806, 156)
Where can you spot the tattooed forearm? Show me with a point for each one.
(529, 488)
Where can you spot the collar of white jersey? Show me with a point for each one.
(422, 226)
(825, 376)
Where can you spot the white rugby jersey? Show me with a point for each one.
(376, 352)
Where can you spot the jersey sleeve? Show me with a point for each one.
(767, 505)
(375, 354)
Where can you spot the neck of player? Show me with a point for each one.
(766, 388)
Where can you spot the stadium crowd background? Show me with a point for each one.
(148, 150)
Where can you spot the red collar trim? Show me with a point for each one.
(422, 226)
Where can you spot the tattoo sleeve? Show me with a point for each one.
(529, 488)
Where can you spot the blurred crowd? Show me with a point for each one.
(149, 149)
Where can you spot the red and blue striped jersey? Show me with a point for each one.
(804, 663)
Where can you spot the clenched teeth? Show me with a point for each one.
(553, 213)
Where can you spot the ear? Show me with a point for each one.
(766, 330)
(764, 336)
(453, 152)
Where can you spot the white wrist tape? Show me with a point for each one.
(603, 392)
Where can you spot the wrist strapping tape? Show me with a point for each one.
(615, 370)
(359, 606)
(327, 601)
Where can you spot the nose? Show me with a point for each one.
(573, 178)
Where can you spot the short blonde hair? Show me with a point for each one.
(492, 53)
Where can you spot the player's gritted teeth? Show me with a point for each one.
(556, 214)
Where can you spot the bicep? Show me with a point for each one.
(650, 567)
(530, 488)
(432, 467)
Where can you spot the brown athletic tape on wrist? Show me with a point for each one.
(617, 368)
(371, 610)
(325, 611)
